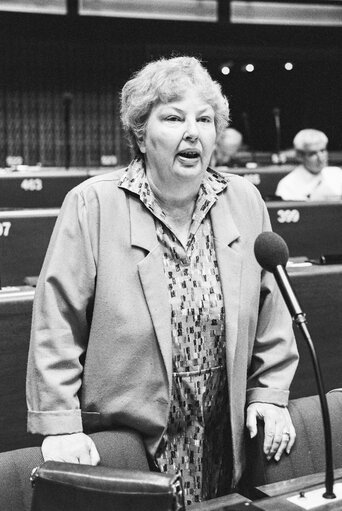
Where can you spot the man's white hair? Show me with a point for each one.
(305, 138)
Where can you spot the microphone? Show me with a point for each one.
(276, 116)
(67, 100)
(330, 259)
(248, 136)
(272, 253)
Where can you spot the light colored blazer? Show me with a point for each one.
(101, 352)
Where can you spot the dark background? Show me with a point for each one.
(44, 57)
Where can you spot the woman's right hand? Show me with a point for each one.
(73, 448)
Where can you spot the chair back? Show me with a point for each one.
(308, 453)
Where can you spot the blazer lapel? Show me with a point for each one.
(151, 272)
(229, 262)
(152, 277)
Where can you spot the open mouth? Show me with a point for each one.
(189, 154)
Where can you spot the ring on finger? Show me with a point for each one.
(286, 433)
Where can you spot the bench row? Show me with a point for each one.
(319, 290)
(46, 188)
(310, 229)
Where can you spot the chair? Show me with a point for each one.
(62, 486)
(308, 453)
(122, 449)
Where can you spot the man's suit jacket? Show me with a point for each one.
(101, 352)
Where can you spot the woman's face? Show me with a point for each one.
(179, 139)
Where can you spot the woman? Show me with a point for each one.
(151, 311)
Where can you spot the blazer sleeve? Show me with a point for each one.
(60, 324)
(275, 355)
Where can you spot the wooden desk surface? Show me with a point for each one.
(296, 484)
(220, 503)
(275, 501)
(293, 487)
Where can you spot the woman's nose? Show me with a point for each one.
(191, 130)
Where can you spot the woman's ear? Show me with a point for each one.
(141, 143)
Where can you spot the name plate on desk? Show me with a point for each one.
(309, 228)
(312, 499)
(300, 493)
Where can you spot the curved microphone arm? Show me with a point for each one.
(299, 318)
(329, 470)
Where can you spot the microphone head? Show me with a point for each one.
(271, 250)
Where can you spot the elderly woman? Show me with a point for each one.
(151, 311)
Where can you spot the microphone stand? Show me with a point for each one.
(247, 128)
(276, 115)
(67, 99)
(299, 318)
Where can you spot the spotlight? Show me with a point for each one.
(225, 70)
(226, 67)
(248, 67)
(288, 66)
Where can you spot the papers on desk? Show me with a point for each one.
(314, 498)
(300, 262)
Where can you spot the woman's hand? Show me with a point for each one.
(74, 448)
(280, 434)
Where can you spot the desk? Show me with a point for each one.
(276, 497)
(278, 493)
(24, 238)
(234, 499)
(319, 291)
(15, 317)
(297, 484)
(265, 178)
(42, 188)
(38, 189)
(309, 228)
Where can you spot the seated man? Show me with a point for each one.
(226, 149)
(312, 179)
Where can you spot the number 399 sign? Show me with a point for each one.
(288, 216)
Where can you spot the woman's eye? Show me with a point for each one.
(173, 118)
(206, 119)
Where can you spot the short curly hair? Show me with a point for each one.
(162, 81)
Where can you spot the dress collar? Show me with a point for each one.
(134, 180)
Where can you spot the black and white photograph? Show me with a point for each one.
(170, 255)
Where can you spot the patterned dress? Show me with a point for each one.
(197, 441)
